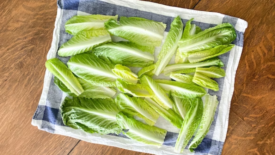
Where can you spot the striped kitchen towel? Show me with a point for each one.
(48, 118)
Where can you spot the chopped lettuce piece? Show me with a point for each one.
(182, 105)
(137, 90)
(211, 72)
(61, 71)
(89, 22)
(209, 53)
(190, 125)
(138, 30)
(177, 67)
(210, 106)
(135, 106)
(148, 70)
(92, 69)
(185, 78)
(170, 45)
(90, 91)
(125, 53)
(157, 90)
(182, 90)
(141, 132)
(167, 114)
(83, 42)
(125, 73)
(91, 115)
(221, 34)
(205, 81)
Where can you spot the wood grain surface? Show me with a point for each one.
(26, 28)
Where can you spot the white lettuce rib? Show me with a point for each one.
(134, 29)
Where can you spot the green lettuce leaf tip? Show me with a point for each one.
(83, 42)
(61, 71)
(137, 30)
(90, 22)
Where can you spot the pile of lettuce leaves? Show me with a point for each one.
(105, 96)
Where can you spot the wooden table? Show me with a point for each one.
(25, 37)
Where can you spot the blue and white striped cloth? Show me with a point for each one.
(47, 116)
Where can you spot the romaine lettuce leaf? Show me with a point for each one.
(185, 78)
(80, 23)
(61, 71)
(170, 45)
(125, 74)
(125, 53)
(189, 30)
(181, 90)
(157, 90)
(136, 106)
(84, 41)
(92, 69)
(190, 125)
(210, 106)
(148, 70)
(167, 114)
(182, 105)
(221, 34)
(209, 53)
(211, 72)
(91, 115)
(205, 81)
(141, 132)
(138, 30)
(177, 67)
(137, 90)
(90, 91)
